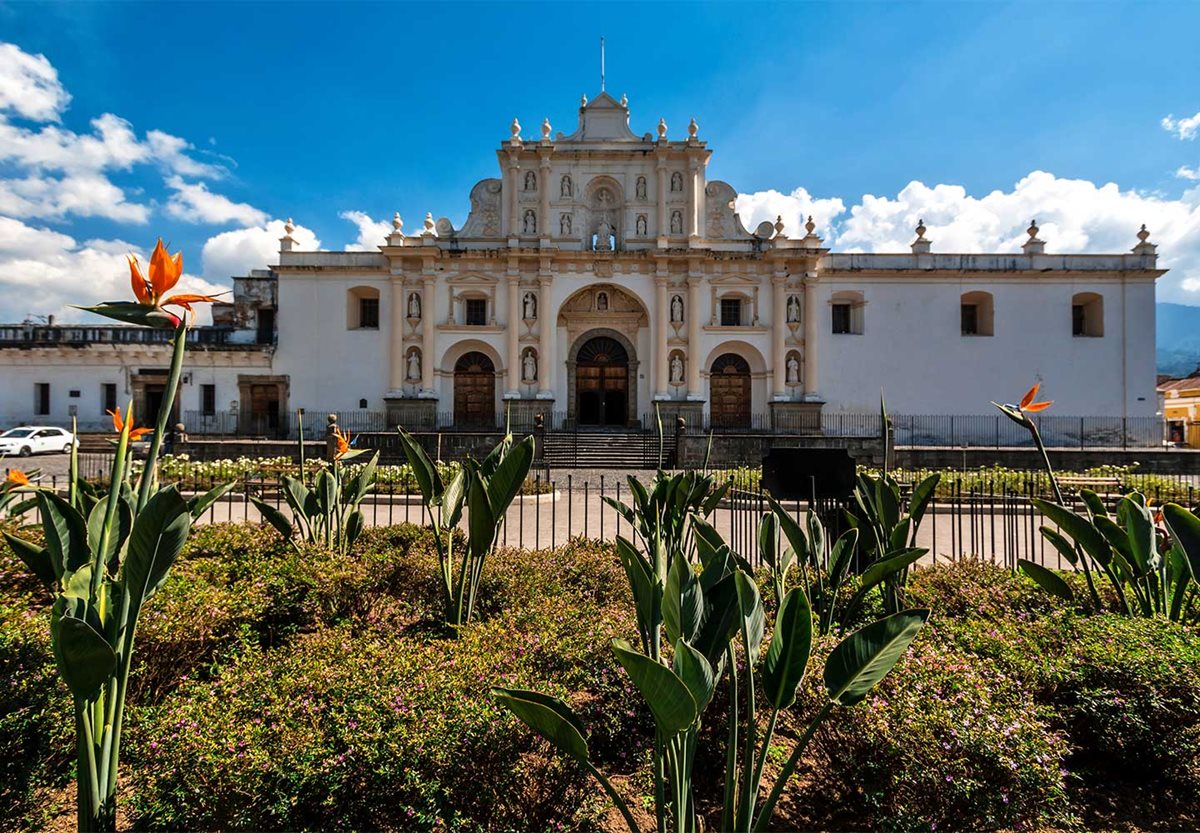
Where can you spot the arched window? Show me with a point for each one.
(976, 314)
(362, 308)
(848, 312)
(1087, 315)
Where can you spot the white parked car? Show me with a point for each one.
(36, 439)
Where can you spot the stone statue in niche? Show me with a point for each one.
(529, 367)
(793, 310)
(676, 181)
(602, 302)
(676, 370)
(530, 305)
(793, 370)
(604, 238)
(414, 366)
(530, 181)
(564, 225)
(564, 188)
(414, 305)
(676, 309)
(530, 224)
(676, 222)
(639, 189)
(641, 224)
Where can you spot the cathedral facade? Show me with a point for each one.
(602, 277)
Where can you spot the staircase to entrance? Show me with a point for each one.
(606, 449)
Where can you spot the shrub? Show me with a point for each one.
(944, 743)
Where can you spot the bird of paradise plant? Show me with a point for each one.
(106, 556)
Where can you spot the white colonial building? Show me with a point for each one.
(602, 272)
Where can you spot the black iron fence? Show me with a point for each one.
(985, 515)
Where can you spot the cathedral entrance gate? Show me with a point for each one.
(602, 382)
(729, 389)
(474, 391)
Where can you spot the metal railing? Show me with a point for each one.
(26, 335)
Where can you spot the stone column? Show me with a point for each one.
(544, 195)
(663, 223)
(512, 201)
(397, 367)
(660, 356)
(546, 329)
(513, 331)
(779, 331)
(811, 337)
(693, 186)
(427, 332)
(692, 314)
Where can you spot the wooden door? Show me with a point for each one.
(729, 391)
(475, 391)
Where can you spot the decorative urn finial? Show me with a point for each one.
(693, 129)
(810, 226)
(1143, 234)
(921, 229)
(288, 228)
(624, 100)
(583, 100)
(397, 223)
(545, 130)
(778, 222)
(662, 129)
(515, 128)
(429, 225)
(1033, 229)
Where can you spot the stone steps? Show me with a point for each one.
(605, 449)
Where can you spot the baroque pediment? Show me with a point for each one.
(603, 119)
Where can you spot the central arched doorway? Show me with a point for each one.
(729, 391)
(602, 382)
(474, 391)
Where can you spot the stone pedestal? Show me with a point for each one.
(802, 418)
(411, 413)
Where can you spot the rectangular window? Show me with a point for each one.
(476, 311)
(731, 312)
(41, 398)
(208, 400)
(368, 313)
(266, 326)
(970, 320)
(1078, 320)
(108, 395)
(841, 318)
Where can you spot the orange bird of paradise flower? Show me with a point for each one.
(17, 478)
(1019, 413)
(135, 434)
(150, 291)
(343, 441)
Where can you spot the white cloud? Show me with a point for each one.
(1074, 216)
(54, 197)
(1186, 172)
(29, 85)
(194, 203)
(236, 252)
(43, 271)
(370, 232)
(795, 209)
(1186, 128)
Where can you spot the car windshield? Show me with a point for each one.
(18, 432)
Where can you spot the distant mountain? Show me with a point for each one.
(1178, 339)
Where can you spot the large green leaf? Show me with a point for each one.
(274, 517)
(36, 558)
(865, 657)
(65, 531)
(199, 504)
(1139, 528)
(509, 476)
(481, 523)
(119, 530)
(670, 701)
(922, 494)
(683, 603)
(1064, 547)
(84, 658)
(549, 716)
(696, 673)
(129, 312)
(881, 571)
(362, 481)
(1048, 580)
(791, 644)
(158, 536)
(426, 473)
(1079, 529)
(453, 497)
(1184, 527)
(752, 616)
(791, 530)
(722, 618)
(841, 558)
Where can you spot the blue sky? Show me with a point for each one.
(316, 110)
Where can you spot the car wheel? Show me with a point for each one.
(67, 448)
(26, 451)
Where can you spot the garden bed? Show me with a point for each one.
(276, 689)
